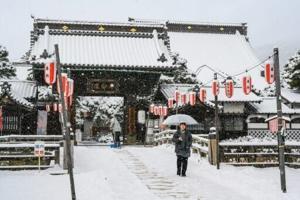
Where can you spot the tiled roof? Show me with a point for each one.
(293, 96)
(228, 54)
(168, 90)
(269, 105)
(21, 91)
(137, 51)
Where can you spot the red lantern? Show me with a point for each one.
(156, 110)
(192, 98)
(247, 84)
(215, 87)
(177, 96)
(50, 72)
(229, 88)
(183, 99)
(165, 111)
(269, 72)
(202, 95)
(55, 107)
(65, 87)
(71, 87)
(170, 102)
(160, 112)
(151, 108)
(48, 108)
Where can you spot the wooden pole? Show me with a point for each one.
(217, 125)
(280, 136)
(66, 125)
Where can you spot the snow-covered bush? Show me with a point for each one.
(6, 68)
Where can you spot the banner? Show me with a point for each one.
(42, 122)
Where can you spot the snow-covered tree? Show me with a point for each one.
(291, 72)
(6, 68)
(181, 74)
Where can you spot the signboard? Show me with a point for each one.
(42, 122)
(102, 86)
(273, 125)
(39, 148)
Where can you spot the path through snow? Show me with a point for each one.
(134, 173)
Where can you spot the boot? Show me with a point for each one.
(184, 166)
(178, 165)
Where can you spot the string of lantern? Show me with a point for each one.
(181, 99)
(50, 77)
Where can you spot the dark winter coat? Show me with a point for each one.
(182, 148)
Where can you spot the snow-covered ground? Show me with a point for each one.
(147, 173)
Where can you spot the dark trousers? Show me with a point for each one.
(182, 163)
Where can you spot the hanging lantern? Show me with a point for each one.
(65, 87)
(229, 86)
(156, 110)
(269, 72)
(202, 95)
(70, 87)
(183, 99)
(215, 87)
(48, 108)
(151, 108)
(55, 107)
(192, 98)
(160, 112)
(247, 84)
(177, 96)
(165, 111)
(170, 102)
(50, 72)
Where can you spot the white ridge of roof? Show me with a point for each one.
(168, 90)
(104, 51)
(229, 53)
(128, 24)
(159, 21)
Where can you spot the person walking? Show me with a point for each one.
(116, 131)
(183, 142)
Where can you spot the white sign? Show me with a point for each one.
(39, 148)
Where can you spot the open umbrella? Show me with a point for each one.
(178, 118)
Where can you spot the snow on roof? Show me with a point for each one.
(227, 53)
(21, 91)
(106, 51)
(168, 90)
(268, 105)
(293, 96)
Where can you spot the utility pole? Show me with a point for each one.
(66, 125)
(280, 135)
(217, 125)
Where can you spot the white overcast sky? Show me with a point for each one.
(270, 22)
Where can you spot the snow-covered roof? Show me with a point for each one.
(292, 96)
(168, 90)
(86, 46)
(21, 91)
(228, 54)
(268, 105)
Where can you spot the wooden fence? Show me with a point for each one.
(259, 154)
(17, 151)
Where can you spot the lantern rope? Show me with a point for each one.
(235, 75)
